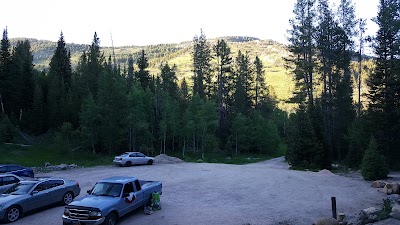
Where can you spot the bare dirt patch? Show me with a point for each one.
(205, 193)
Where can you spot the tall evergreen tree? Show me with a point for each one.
(143, 75)
(169, 80)
(242, 92)
(5, 64)
(21, 84)
(129, 79)
(94, 65)
(260, 87)
(60, 74)
(224, 85)
(384, 83)
(202, 72)
(302, 48)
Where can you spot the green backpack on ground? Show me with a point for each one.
(155, 201)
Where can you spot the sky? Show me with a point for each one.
(144, 22)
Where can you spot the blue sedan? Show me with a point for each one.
(30, 195)
(17, 170)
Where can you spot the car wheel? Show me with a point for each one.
(111, 219)
(150, 162)
(67, 198)
(129, 163)
(13, 213)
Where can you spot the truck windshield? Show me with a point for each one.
(19, 189)
(107, 189)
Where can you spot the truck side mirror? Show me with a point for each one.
(89, 191)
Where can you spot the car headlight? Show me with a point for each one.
(66, 212)
(95, 215)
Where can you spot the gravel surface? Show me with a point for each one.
(204, 193)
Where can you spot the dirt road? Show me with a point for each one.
(204, 193)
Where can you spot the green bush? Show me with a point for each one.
(7, 130)
(385, 210)
(373, 165)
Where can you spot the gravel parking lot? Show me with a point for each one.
(205, 193)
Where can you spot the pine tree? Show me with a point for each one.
(260, 89)
(384, 83)
(373, 165)
(202, 77)
(142, 75)
(169, 80)
(5, 64)
(242, 89)
(224, 86)
(302, 49)
(60, 76)
(94, 65)
(129, 79)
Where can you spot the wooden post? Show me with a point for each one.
(334, 214)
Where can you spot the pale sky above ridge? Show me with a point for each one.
(155, 21)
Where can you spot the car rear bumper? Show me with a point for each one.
(117, 162)
(70, 221)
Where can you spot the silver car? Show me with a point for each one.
(132, 158)
(29, 195)
(8, 180)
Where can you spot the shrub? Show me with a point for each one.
(7, 130)
(373, 165)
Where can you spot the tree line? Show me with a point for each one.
(329, 125)
(102, 107)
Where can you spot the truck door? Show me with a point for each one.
(139, 195)
(129, 197)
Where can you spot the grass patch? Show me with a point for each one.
(37, 155)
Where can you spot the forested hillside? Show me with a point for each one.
(271, 53)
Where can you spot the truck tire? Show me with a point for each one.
(150, 162)
(129, 163)
(111, 219)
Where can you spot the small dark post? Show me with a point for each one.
(334, 214)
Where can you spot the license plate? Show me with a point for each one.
(76, 223)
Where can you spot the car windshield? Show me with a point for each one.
(19, 189)
(107, 189)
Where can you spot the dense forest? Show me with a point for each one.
(107, 104)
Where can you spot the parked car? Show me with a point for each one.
(17, 170)
(33, 194)
(110, 199)
(132, 158)
(8, 180)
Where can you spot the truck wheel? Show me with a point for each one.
(67, 198)
(13, 213)
(129, 163)
(111, 219)
(150, 162)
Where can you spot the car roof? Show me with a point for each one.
(9, 174)
(37, 179)
(11, 165)
(118, 179)
(130, 152)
